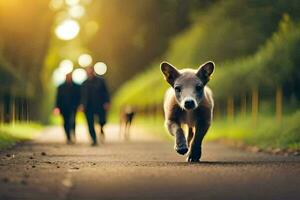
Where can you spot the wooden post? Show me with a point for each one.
(254, 105)
(216, 111)
(1, 112)
(278, 104)
(13, 111)
(22, 110)
(230, 108)
(243, 105)
(17, 109)
(27, 110)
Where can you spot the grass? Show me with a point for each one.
(10, 134)
(153, 125)
(58, 120)
(267, 133)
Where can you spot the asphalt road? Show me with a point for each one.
(144, 168)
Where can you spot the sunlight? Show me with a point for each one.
(91, 27)
(79, 75)
(76, 11)
(72, 2)
(66, 66)
(58, 77)
(85, 60)
(67, 30)
(86, 1)
(56, 4)
(100, 68)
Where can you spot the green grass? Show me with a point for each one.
(154, 126)
(58, 120)
(10, 134)
(267, 133)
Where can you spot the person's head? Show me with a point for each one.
(69, 78)
(90, 71)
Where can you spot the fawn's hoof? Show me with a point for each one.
(192, 160)
(181, 150)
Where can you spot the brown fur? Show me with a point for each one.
(198, 119)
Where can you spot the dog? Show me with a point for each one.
(188, 101)
(126, 116)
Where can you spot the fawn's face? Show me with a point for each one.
(188, 84)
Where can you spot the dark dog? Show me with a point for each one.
(189, 101)
(126, 116)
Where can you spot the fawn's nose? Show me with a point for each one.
(189, 104)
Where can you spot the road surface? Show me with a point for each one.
(144, 168)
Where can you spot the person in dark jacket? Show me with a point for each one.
(67, 102)
(95, 101)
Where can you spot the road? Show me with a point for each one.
(144, 168)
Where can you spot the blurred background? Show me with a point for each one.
(255, 45)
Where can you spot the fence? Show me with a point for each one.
(229, 109)
(14, 109)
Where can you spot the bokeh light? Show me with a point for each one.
(79, 75)
(56, 4)
(58, 77)
(100, 68)
(61, 16)
(76, 11)
(67, 29)
(72, 2)
(85, 60)
(65, 66)
(86, 1)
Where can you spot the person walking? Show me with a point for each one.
(67, 102)
(95, 101)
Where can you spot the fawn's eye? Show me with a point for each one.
(177, 89)
(198, 88)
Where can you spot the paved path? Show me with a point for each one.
(144, 168)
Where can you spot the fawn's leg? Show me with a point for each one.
(195, 152)
(180, 141)
(190, 136)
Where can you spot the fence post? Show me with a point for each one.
(26, 111)
(230, 108)
(254, 105)
(13, 111)
(243, 105)
(1, 111)
(278, 104)
(216, 111)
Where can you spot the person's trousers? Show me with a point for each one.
(90, 117)
(69, 123)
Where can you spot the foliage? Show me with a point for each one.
(275, 63)
(256, 45)
(10, 134)
(9, 80)
(265, 134)
(132, 35)
(24, 40)
(24, 36)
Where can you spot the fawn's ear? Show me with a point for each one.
(205, 71)
(170, 72)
